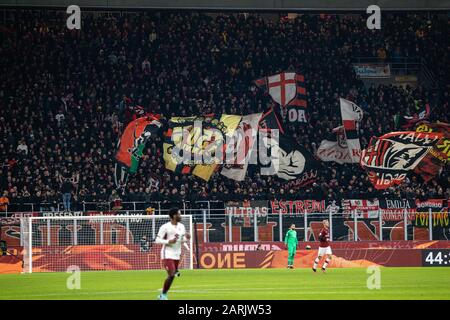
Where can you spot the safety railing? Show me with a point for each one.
(404, 224)
(221, 225)
(86, 206)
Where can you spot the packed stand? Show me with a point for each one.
(66, 96)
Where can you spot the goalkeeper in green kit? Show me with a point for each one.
(290, 240)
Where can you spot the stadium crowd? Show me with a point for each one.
(65, 96)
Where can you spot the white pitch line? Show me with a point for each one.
(223, 290)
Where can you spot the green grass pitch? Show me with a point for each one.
(241, 284)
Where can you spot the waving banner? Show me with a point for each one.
(295, 164)
(195, 145)
(336, 149)
(390, 157)
(133, 140)
(288, 90)
(241, 147)
(351, 117)
(271, 120)
(345, 147)
(408, 122)
(443, 146)
(439, 156)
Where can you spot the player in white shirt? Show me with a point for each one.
(171, 235)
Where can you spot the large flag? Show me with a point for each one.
(271, 120)
(407, 122)
(439, 127)
(345, 148)
(335, 149)
(439, 156)
(195, 145)
(351, 116)
(288, 90)
(293, 163)
(133, 140)
(241, 147)
(390, 157)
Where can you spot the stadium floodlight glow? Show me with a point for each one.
(100, 242)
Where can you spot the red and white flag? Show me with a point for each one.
(288, 90)
(351, 117)
(241, 146)
(282, 87)
(335, 149)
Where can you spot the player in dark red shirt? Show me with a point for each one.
(324, 247)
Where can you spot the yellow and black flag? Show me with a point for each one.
(195, 145)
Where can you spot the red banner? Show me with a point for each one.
(297, 206)
(223, 255)
(277, 246)
(342, 258)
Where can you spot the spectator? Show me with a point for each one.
(22, 148)
(60, 119)
(188, 64)
(4, 202)
(115, 200)
(66, 190)
(381, 54)
(144, 244)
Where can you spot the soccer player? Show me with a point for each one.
(290, 240)
(145, 244)
(324, 247)
(171, 235)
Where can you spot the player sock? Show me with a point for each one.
(325, 265)
(316, 262)
(167, 285)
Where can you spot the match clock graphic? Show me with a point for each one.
(436, 258)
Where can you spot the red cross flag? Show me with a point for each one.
(288, 90)
(282, 87)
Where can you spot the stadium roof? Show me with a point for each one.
(281, 5)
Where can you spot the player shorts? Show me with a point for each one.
(324, 250)
(171, 265)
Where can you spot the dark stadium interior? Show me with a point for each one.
(62, 95)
